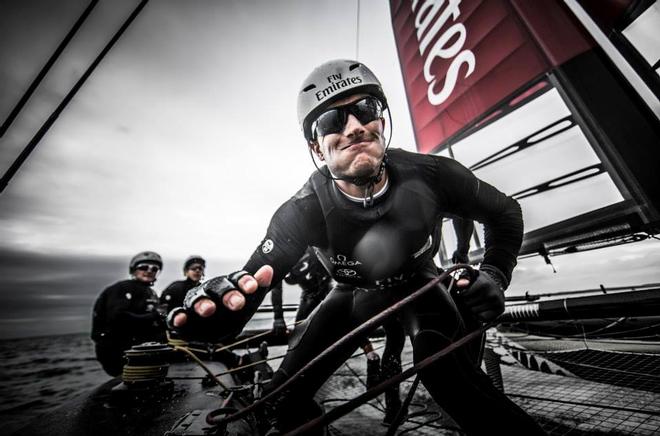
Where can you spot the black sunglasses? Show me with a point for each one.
(147, 267)
(196, 268)
(333, 120)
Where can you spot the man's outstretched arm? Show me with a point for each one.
(221, 307)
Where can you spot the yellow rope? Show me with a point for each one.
(132, 374)
(200, 363)
(226, 347)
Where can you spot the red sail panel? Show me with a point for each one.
(460, 60)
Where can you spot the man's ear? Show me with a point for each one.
(314, 146)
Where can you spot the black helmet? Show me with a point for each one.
(194, 259)
(145, 257)
(330, 82)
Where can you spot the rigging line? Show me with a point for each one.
(357, 33)
(249, 338)
(249, 365)
(429, 423)
(400, 418)
(345, 408)
(268, 359)
(362, 382)
(411, 418)
(44, 70)
(65, 101)
(552, 336)
(369, 324)
(204, 367)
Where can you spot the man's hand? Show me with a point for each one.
(485, 296)
(233, 300)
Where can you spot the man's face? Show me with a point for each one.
(146, 272)
(357, 150)
(195, 272)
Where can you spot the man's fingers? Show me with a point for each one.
(205, 307)
(471, 293)
(487, 316)
(262, 278)
(463, 283)
(234, 300)
(180, 319)
(482, 308)
(264, 275)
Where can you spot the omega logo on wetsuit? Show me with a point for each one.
(340, 260)
(344, 272)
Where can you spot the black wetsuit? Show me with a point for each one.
(174, 294)
(378, 255)
(124, 315)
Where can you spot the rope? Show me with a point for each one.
(15, 166)
(345, 408)
(357, 354)
(133, 374)
(47, 66)
(247, 365)
(242, 341)
(398, 419)
(371, 323)
(204, 367)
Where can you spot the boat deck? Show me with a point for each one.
(563, 405)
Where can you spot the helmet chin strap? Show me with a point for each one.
(369, 181)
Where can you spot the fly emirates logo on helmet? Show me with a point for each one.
(430, 17)
(336, 83)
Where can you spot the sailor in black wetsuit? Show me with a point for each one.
(372, 213)
(315, 283)
(193, 270)
(125, 314)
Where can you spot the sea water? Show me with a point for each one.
(37, 375)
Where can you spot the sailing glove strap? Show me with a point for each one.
(200, 328)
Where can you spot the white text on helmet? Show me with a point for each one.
(457, 32)
(337, 83)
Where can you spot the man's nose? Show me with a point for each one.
(353, 126)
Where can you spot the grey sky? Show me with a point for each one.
(184, 140)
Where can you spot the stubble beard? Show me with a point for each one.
(368, 168)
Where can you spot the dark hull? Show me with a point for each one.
(113, 409)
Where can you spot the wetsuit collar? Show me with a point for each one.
(376, 195)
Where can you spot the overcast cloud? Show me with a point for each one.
(184, 140)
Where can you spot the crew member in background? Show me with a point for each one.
(125, 314)
(193, 270)
(463, 229)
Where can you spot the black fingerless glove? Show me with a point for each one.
(459, 257)
(224, 324)
(495, 274)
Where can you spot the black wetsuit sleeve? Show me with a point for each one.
(469, 197)
(297, 224)
(294, 226)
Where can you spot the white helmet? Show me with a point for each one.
(330, 82)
